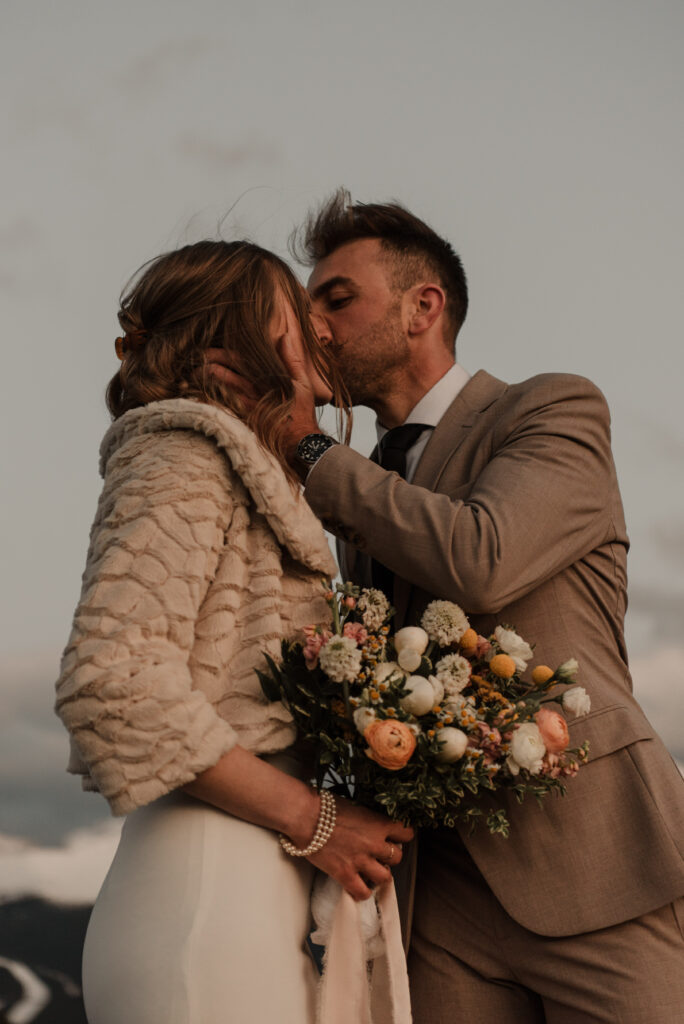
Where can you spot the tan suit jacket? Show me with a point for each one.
(515, 513)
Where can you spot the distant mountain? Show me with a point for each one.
(40, 962)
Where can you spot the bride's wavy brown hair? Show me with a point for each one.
(216, 294)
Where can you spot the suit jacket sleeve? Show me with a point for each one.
(539, 503)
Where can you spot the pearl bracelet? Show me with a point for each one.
(324, 828)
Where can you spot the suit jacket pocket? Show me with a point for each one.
(609, 729)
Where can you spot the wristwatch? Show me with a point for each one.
(311, 447)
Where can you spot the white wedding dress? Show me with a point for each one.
(202, 919)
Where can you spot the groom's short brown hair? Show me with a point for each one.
(412, 247)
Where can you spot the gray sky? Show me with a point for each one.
(541, 137)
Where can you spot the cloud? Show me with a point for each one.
(71, 873)
(160, 65)
(39, 799)
(225, 157)
(658, 617)
(659, 688)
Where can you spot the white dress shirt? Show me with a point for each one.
(429, 411)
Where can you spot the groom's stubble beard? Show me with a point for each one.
(369, 362)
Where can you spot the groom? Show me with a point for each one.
(502, 498)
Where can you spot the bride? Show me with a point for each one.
(203, 555)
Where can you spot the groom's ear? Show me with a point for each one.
(424, 307)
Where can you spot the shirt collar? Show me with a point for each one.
(436, 401)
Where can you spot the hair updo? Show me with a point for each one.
(214, 294)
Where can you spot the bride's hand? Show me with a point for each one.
(363, 846)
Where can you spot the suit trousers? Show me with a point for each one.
(470, 961)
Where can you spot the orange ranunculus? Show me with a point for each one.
(390, 744)
(553, 729)
(541, 674)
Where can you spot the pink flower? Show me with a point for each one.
(477, 650)
(483, 647)
(553, 729)
(356, 631)
(315, 639)
(551, 766)
(488, 739)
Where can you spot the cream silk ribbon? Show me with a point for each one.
(346, 993)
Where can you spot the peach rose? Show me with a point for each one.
(554, 730)
(391, 744)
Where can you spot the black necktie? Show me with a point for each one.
(391, 455)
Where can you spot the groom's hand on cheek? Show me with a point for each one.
(301, 419)
(218, 364)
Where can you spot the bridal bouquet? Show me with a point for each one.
(429, 720)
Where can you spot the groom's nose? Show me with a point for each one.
(320, 325)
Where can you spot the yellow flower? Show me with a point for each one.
(469, 639)
(502, 665)
(541, 674)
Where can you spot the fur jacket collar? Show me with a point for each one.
(286, 510)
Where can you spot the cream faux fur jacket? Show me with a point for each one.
(201, 558)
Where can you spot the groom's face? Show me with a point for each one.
(352, 290)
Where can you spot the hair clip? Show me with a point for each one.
(129, 341)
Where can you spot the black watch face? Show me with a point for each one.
(311, 448)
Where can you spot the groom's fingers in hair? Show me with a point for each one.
(217, 363)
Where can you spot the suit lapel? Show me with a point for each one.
(478, 394)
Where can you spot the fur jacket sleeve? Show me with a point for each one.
(165, 627)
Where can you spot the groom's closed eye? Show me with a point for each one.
(338, 301)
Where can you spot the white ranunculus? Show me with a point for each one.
(411, 636)
(577, 700)
(527, 748)
(385, 669)
(513, 645)
(444, 622)
(437, 688)
(453, 672)
(420, 697)
(340, 659)
(409, 659)
(454, 744)
(363, 718)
